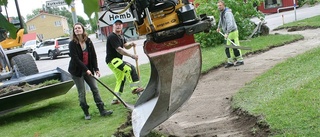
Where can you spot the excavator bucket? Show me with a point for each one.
(15, 100)
(175, 71)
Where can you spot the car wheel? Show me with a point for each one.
(36, 56)
(52, 55)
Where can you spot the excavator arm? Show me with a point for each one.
(175, 58)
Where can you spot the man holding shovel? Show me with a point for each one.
(116, 45)
(229, 27)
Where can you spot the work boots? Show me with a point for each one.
(102, 111)
(86, 112)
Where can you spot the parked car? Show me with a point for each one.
(52, 48)
(31, 45)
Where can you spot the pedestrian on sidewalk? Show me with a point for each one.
(122, 70)
(230, 29)
(82, 67)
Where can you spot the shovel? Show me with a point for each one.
(234, 45)
(129, 106)
(137, 64)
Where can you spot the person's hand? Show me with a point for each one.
(89, 73)
(218, 30)
(135, 57)
(98, 73)
(133, 44)
(225, 36)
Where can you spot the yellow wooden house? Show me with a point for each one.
(48, 26)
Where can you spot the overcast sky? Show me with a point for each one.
(27, 6)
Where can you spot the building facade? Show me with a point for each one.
(48, 26)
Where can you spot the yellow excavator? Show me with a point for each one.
(175, 57)
(19, 68)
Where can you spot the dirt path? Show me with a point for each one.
(208, 112)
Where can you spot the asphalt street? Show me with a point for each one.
(277, 19)
(45, 64)
(273, 21)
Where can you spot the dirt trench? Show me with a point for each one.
(208, 112)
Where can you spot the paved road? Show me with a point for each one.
(273, 21)
(45, 64)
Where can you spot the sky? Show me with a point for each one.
(27, 6)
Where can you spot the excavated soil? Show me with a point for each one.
(23, 86)
(208, 112)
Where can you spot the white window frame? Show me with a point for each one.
(57, 23)
(31, 27)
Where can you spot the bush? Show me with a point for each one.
(242, 15)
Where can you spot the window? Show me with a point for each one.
(272, 3)
(43, 16)
(48, 43)
(57, 23)
(31, 27)
(40, 36)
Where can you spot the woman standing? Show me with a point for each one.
(83, 65)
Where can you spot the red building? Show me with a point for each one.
(274, 6)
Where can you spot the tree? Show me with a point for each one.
(35, 12)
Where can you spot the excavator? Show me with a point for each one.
(175, 60)
(174, 55)
(18, 68)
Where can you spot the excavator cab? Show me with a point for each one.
(7, 42)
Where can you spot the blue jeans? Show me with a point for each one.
(79, 81)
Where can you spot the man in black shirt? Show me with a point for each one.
(116, 45)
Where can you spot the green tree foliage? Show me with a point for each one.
(242, 11)
(94, 23)
(310, 2)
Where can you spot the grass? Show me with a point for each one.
(287, 96)
(213, 57)
(312, 22)
(290, 108)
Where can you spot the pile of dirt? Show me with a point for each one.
(125, 130)
(16, 89)
(24, 86)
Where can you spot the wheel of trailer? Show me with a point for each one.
(25, 64)
(264, 30)
(52, 55)
(36, 56)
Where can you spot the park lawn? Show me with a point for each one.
(287, 96)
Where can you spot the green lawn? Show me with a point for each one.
(62, 116)
(312, 22)
(287, 96)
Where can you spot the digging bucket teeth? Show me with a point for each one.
(175, 71)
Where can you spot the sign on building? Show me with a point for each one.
(106, 18)
(55, 3)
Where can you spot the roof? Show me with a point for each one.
(29, 36)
